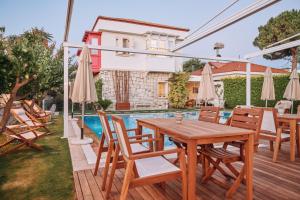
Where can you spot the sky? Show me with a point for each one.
(20, 15)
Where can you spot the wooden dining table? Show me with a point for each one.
(194, 133)
(292, 120)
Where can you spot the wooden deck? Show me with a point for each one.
(272, 181)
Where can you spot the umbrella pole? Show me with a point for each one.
(266, 103)
(82, 121)
(292, 107)
(72, 110)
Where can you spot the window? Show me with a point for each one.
(195, 90)
(94, 42)
(125, 43)
(162, 89)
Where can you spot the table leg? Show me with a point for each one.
(159, 145)
(139, 128)
(191, 170)
(249, 149)
(293, 124)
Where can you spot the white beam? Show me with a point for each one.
(248, 84)
(250, 10)
(147, 52)
(68, 19)
(66, 92)
(273, 49)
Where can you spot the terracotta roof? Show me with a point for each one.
(239, 67)
(144, 23)
(216, 64)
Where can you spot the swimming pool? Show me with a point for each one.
(93, 122)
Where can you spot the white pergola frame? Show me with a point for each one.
(250, 10)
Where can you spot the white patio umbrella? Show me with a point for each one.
(206, 87)
(292, 91)
(84, 90)
(268, 91)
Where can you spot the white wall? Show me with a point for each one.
(134, 62)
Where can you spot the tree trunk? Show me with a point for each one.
(8, 106)
(294, 58)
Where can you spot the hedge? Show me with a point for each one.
(235, 91)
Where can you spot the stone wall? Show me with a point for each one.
(143, 89)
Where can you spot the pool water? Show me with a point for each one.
(93, 122)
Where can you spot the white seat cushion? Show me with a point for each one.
(28, 135)
(138, 148)
(154, 166)
(285, 135)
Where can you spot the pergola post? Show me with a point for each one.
(66, 92)
(248, 84)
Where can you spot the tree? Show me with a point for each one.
(278, 28)
(23, 59)
(192, 65)
(178, 89)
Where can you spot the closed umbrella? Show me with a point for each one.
(206, 88)
(84, 90)
(268, 91)
(292, 91)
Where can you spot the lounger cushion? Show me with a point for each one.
(29, 135)
(138, 148)
(154, 166)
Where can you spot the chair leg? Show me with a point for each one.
(276, 150)
(112, 173)
(184, 176)
(99, 154)
(236, 183)
(127, 179)
(271, 145)
(106, 167)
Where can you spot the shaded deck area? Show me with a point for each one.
(279, 180)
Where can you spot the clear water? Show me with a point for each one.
(93, 122)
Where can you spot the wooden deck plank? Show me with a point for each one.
(77, 186)
(96, 192)
(272, 181)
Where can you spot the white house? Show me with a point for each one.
(134, 80)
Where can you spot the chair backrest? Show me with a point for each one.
(122, 135)
(35, 107)
(285, 104)
(21, 115)
(248, 118)
(53, 109)
(269, 120)
(106, 130)
(209, 114)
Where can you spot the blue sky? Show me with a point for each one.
(18, 16)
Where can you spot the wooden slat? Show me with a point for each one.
(96, 192)
(86, 191)
(77, 186)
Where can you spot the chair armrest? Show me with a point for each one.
(155, 154)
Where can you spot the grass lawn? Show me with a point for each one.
(31, 174)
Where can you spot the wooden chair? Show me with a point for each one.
(107, 136)
(27, 120)
(271, 131)
(25, 137)
(209, 114)
(37, 111)
(206, 114)
(145, 168)
(248, 118)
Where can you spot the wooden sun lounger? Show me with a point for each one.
(25, 136)
(37, 111)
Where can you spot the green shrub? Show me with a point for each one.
(235, 91)
(178, 89)
(98, 85)
(104, 103)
